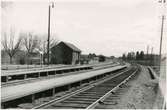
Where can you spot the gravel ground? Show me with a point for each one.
(141, 93)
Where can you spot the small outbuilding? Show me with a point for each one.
(65, 53)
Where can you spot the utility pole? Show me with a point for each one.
(160, 48)
(48, 36)
(147, 49)
(48, 48)
(162, 81)
(152, 51)
(152, 57)
(162, 28)
(147, 57)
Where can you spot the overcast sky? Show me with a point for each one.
(109, 27)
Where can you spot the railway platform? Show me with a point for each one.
(31, 90)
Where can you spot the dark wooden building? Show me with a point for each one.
(65, 53)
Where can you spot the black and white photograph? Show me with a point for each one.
(83, 54)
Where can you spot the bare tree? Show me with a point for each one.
(30, 42)
(11, 44)
(43, 45)
(5, 4)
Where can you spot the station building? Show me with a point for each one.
(65, 53)
(89, 59)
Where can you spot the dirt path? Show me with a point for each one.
(141, 93)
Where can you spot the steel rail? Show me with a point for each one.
(44, 105)
(110, 92)
(27, 89)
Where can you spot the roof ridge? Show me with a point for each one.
(72, 46)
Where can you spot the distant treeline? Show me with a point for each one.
(141, 58)
(134, 56)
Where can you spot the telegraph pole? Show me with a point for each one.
(162, 81)
(147, 57)
(48, 48)
(152, 51)
(48, 36)
(162, 28)
(152, 57)
(147, 49)
(160, 48)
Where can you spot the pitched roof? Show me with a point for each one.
(73, 47)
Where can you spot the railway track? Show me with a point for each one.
(90, 96)
(17, 82)
(28, 102)
(113, 100)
